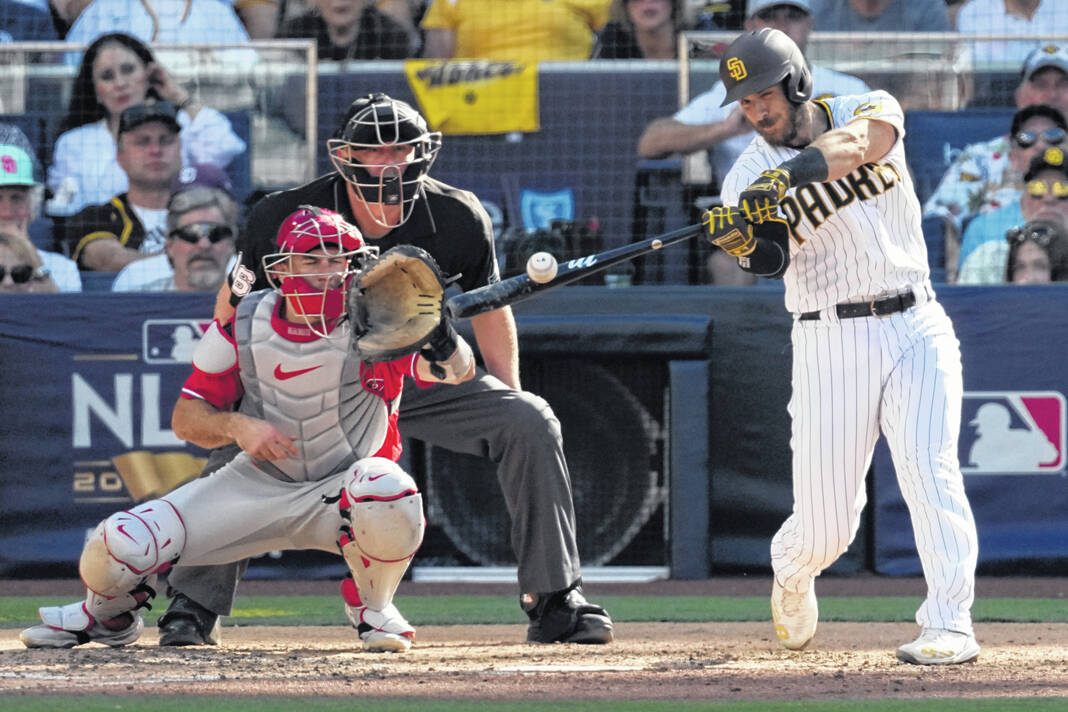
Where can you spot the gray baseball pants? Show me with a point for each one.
(516, 430)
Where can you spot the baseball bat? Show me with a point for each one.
(516, 289)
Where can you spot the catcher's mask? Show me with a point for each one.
(318, 297)
(376, 121)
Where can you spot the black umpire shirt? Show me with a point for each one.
(447, 222)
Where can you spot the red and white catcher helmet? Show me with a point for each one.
(318, 296)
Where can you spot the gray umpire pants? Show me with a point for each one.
(514, 429)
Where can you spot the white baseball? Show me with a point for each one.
(541, 267)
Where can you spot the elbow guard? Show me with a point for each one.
(771, 256)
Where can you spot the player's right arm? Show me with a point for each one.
(204, 414)
(199, 422)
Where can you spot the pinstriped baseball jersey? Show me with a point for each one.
(851, 238)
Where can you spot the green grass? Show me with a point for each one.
(344, 704)
(19, 611)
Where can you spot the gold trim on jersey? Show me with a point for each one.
(817, 202)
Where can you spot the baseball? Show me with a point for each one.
(541, 267)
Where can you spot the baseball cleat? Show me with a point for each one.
(937, 646)
(795, 615)
(566, 617)
(186, 622)
(384, 631)
(117, 632)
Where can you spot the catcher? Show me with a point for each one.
(317, 428)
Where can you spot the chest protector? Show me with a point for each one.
(311, 391)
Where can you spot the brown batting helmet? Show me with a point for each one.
(760, 59)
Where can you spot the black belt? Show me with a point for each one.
(877, 307)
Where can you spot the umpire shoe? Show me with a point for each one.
(186, 622)
(937, 646)
(795, 615)
(565, 617)
(117, 632)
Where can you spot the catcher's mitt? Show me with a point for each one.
(396, 304)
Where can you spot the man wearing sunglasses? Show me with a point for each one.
(1045, 197)
(201, 234)
(983, 177)
(706, 125)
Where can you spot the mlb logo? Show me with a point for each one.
(171, 340)
(1013, 432)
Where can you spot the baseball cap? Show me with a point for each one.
(16, 166)
(1049, 55)
(204, 175)
(1029, 112)
(310, 227)
(754, 6)
(1050, 159)
(138, 114)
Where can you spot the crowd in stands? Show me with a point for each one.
(131, 128)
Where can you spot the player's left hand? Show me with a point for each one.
(760, 201)
(728, 230)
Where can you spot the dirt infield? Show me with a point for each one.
(682, 661)
(709, 661)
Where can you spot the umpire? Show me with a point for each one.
(382, 154)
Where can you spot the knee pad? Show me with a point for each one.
(128, 548)
(385, 524)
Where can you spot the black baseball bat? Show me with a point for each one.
(516, 289)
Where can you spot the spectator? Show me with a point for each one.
(167, 21)
(1038, 253)
(350, 29)
(513, 30)
(20, 204)
(640, 29)
(704, 124)
(118, 71)
(981, 178)
(132, 225)
(201, 232)
(1045, 196)
(1013, 17)
(260, 17)
(25, 21)
(21, 268)
(882, 16)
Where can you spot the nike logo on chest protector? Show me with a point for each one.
(282, 375)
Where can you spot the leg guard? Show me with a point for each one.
(384, 511)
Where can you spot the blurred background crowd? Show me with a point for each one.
(129, 160)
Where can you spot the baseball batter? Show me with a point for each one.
(318, 436)
(823, 199)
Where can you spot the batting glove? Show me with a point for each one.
(760, 201)
(728, 230)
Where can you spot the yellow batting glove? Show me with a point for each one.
(728, 230)
(760, 201)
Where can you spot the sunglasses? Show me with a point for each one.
(1026, 139)
(195, 232)
(1041, 235)
(1041, 188)
(20, 274)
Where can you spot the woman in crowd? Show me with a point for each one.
(1038, 253)
(640, 29)
(21, 269)
(118, 71)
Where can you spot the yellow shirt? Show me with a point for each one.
(519, 30)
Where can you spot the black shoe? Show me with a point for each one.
(565, 617)
(186, 622)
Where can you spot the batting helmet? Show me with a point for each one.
(760, 59)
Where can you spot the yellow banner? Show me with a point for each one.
(475, 97)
